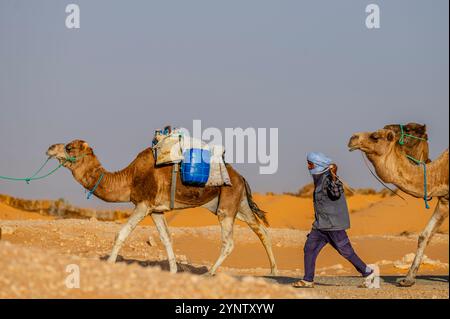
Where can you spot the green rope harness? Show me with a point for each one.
(34, 177)
(91, 192)
(27, 179)
(72, 159)
(401, 141)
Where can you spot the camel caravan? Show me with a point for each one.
(173, 174)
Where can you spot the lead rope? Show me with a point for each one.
(34, 177)
(379, 180)
(37, 172)
(401, 141)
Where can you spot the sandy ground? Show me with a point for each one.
(38, 273)
(35, 251)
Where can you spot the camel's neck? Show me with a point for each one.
(395, 168)
(113, 187)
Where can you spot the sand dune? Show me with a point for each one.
(285, 211)
(394, 216)
(10, 213)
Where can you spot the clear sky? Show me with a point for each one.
(310, 68)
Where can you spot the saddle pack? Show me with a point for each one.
(201, 164)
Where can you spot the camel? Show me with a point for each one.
(148, 188)
(392, 166)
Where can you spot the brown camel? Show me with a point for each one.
(148, 188)
(392, 166)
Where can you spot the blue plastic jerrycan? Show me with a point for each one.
(195, 166)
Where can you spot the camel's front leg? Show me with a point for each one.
(163, 229)
(439, 215)
(139, 213)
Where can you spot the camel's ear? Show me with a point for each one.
(423, 129)
(85, 145)
(416, 128)
(390, 136)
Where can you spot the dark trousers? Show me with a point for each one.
(317, 239)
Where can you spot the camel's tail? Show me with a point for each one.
(260, 214)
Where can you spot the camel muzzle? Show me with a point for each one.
(54, 150)
(353, 143)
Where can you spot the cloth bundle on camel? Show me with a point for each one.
(172, 147)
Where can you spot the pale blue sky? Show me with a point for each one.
(310, 68)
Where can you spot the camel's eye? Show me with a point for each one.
(375, 137)
(390, 137)
(68, 148)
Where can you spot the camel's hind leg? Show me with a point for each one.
(226, 224)
(163, 229)
(439, 215)
(140, 212)
(245, 214)
(227, 207)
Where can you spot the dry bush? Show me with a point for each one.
(307, 192)
(366, 191)
(61, 208)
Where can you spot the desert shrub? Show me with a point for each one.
(366, 191)
(387, 193)
(306, 191)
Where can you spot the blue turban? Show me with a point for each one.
(321, 162)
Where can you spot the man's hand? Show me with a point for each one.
(333, 170)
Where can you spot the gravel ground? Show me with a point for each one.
(36, 273)
(346, 287)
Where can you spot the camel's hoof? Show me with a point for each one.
(405, 282)
(208, 274)
(274, 273)
(111, 260)
(173, 270)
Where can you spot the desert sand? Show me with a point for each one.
(35, 249)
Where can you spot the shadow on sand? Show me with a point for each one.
(284, 280)
(425, 278)
(163, 264)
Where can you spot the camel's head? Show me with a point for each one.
(415, 129)
(376, 143)
(416, 146)
(69, 153)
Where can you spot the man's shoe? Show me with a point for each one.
(303, 284)
(369, 281)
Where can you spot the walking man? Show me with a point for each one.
(331, 221)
